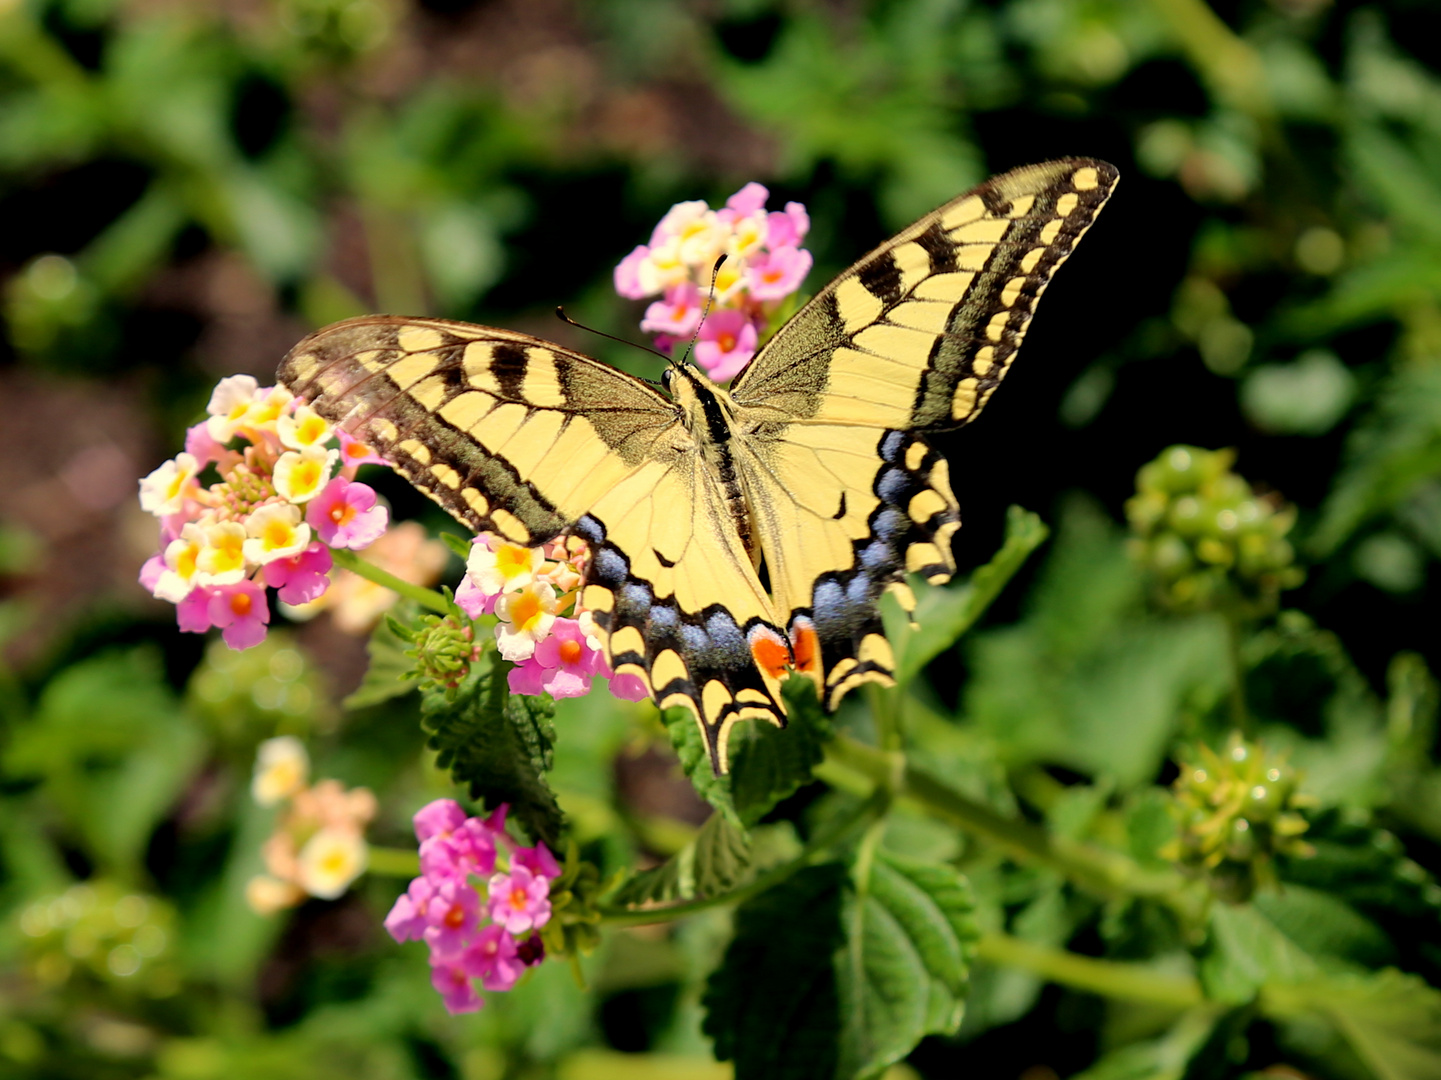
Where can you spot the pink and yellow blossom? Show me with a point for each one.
(526, 616)
(165, 491)
(274, 531)
(300, 475)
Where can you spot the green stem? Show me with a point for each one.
(1104, 873)
(394, 862)
(1109, 978)
(1240, 715)
(865, 814)
(426, 598)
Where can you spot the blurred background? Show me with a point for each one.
(187, 187)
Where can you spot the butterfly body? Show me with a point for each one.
(736, 535)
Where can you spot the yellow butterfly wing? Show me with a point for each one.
(913, 338)
(526, 440)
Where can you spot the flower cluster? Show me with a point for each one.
(487, 932)
(1237, 810)
(764, 264)
(530, 590)
(318, 847)
(269, 521)
(108, 932)
(1206, 539)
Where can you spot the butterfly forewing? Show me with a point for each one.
(918, 333)
(523, 439)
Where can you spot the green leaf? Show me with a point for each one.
(905, 972)
(943, 615)
(386, 673)
(1163, 1058)
(459, 545)
(115, 752)
(1390, 1020)
(773, 1005)
(768, 763)
(716, 861)
(499, 745)
(690, 747)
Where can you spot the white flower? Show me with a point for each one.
(178, 578)
(301, 474)
(229, 403)
(275, 531)
(662, 268)
(526, 618)
(330, 861)
(498, 567)
(222, 560)
(305, 428)
(165, 490)
(281, 769)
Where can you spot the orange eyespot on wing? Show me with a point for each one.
(770, 652)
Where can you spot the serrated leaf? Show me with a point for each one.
(386, 673)
(716, 861)
(498, 745)
(943, 615)
(905, 972)
(1391, 1020)
(768, 763)
(773, 1005)
(690, 747)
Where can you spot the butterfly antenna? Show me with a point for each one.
(563, 317)
(709, 300)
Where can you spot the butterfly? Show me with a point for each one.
(737, 536)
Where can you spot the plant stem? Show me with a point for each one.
(394, 862)
(1109, 978)
(426, 598)
(1240, 715)
(1104, 873)
(865, 814)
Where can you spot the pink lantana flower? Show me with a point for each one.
(406, 921)
(538, 860)
(727, 343)
(354, 453)
(201, 445)
(627, 274)
(303, 577)
(440, 817)
(568, 660)
(779, 273)
(520, 900)
(344, 514)
(787, 229)
(677, 315)
(527, 677)
(192, 614)
(748, 199)
(452, 914)
(452, 981)
(493, 959)
(241, 613)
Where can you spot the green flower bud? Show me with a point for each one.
(1237, 810)
(1235, 555)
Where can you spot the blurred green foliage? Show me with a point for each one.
(185, 188)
